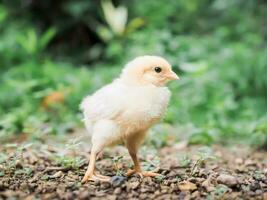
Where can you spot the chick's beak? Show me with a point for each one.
(172, 76)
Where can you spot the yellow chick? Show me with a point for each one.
(122, 111)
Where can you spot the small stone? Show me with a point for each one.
(227, 180)
(84, 194)
(258, 192)
(18, 164)
(157, 192)
(207, 185)
(173, 185)
(255, 186)
(57, 174)
(117, 191)
(117, 180)
(249, 162)
(68, 196)
(187, 186)
(104, 185)
(134, 185)
(195, 195)
(24, 186)
(239, 161)
(240, 169)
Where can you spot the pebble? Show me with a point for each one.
(84, 194)
(104, 185)
(239, 161)
(134, 185)
(18, 164)
(249, 162)
(69, 196)
(57, 174)
(187, 186)
(117, 190)
(254, 186)
(228, 180)
(24, 186)
(207, 185)
(117, 180)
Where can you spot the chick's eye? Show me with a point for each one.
(157, 69)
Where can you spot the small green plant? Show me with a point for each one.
(32, 43)
(116, 160)
(45, 177)
(2, 173)
(150, 165)
(178, 178)
(73, 144)
(204, 154)
(11, 162)
(70, 162)
(219, 191)
(160, 178)
(25, 171)
(185, 161)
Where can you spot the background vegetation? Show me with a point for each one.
(52, 53)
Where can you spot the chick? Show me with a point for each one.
(123, 111)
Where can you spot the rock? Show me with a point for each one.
(207, 185)
(134, 185)
(195, 195)
(249, 162)
(57, 174)
(227, 180)
(239, 161)
(157, 192)
(117, 190)
(187, 186)
(69, 196)
(117, 180)
(18, 164)
(24, 186)
(255, 186)
(84, 194)
(104, 185)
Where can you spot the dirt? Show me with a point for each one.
(53, 170)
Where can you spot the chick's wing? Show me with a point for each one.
(106, 103)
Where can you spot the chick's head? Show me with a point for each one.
(147, 70)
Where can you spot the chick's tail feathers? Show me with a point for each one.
(88, 123)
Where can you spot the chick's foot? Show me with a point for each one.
(142, 174)
(95, 177)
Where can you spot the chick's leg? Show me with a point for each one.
(137, 168)
(132, 148)
(103, 132)
(90, 173)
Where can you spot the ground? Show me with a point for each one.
(53, 169)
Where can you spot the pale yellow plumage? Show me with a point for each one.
(124, 110)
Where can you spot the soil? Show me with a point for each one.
(53, 169)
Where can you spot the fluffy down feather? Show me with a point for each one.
(131, 108)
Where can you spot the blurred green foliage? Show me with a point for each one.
(218, 47)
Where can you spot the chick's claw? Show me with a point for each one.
(142, 174)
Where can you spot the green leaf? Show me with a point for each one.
(47, 37)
